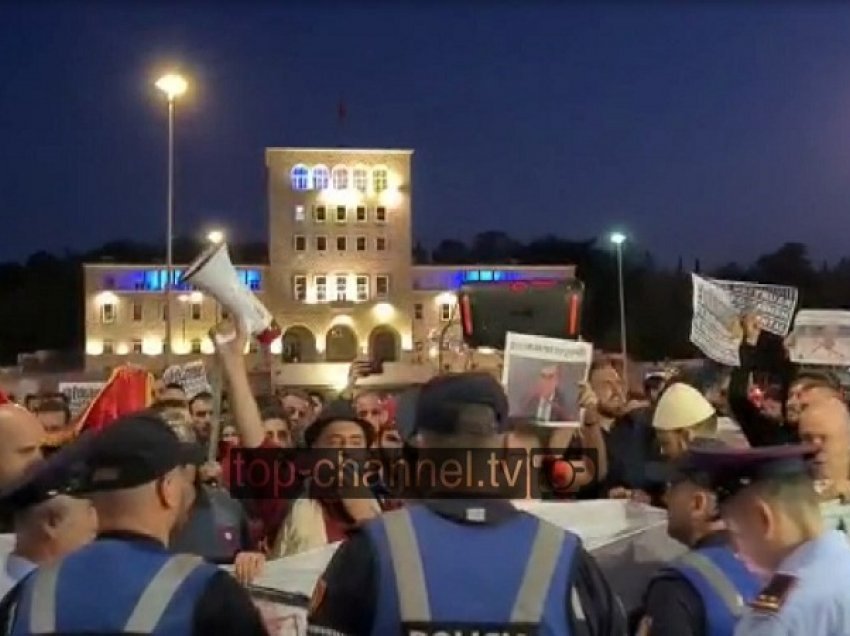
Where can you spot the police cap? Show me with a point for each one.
(442, 399)
(63, 473)
(686, 468)
(137, 449)
(732, 470)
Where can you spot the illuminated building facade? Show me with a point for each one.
(339, 281)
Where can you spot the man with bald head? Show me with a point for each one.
(825, 424)
(22, 434)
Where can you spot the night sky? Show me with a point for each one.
(709, 130)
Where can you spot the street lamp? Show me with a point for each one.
(215, 237)
(618, 238)
(173, 86)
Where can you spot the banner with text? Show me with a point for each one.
(79, 394)
(773, 304)
(542, 377)
(191, 376)
(713, 323)
(822, 337)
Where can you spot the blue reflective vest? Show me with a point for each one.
(114, 586)
(438, 575)
(724, 584)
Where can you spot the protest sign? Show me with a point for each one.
(713, 322)
(79, 394)
(773, 304)
(191, 376)
(542, 377)
(822, 337)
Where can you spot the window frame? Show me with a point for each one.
(386, 293)
(138, 304)
(378, 217)
(418, 311)
(196, 310)
(385, 180)
(109, 347)
(340, 185)
(304, 179)
(324, 286)
(324, 239)
(137, 350)
(360, 168)
(344, 240)
(195, 350)
(341, 296)
(295, 240)
(385, 248)
(365, 240)
(326, 174)
(324, 214)
(299, 214)
(344, 219)
(112, 310)
(295, 280)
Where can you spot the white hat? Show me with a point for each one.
(681, 406)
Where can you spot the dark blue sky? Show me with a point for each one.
(717, 131)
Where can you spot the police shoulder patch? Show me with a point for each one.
(317, 597)
(771, 599)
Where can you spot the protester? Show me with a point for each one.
(201, 411)
(688, 597)
(769, 504)
(682, 416)
(371, 586)
(370, 407)
(826, 426)
(21, 433)
(51, 520)
(298, 408)
(172, 391)
(141, 485)
(54, 415)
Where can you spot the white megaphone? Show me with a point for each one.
(213, 273)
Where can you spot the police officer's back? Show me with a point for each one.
(127, 581)
(468, 564)
(704, 592)
(768, 501)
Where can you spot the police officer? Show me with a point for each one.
(704, 592)
(139, 479)
(462, 561)
(48, 520)
(770, 506)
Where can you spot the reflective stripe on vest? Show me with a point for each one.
(148, 610)
(721, 584)
(412, 592)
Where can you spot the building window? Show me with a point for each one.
(379, 179)
(299, 288)
(196, 345)
(361, 243)
(300, 177)
(340, 178)
(341, 287)
(300, 243)
(341, 216)
(163, 310)
(381, 244)
(362, 288)
(380, 214)
(321, 243)
(299, 212)
(341, 244)
(417, 311)
(361, 214)
(196, 311)
(361, 179)
(137, 311)
(137, 346)
(107, 313)
(320, 214)
(321, 288)
(108, 347)
(445, 312)
(321, 177)
(382, 286)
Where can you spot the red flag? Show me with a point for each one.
(128, 390)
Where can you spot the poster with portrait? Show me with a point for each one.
(821, 337)
(79, 394)
(542, 377)
(192, 376)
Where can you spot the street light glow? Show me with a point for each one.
(173, 85)
(215, 237)
(618, 238)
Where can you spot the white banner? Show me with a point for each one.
(191, 376)
(773, 304)
(821, 336)
(542, 377)
(80, 394)
(713, 323)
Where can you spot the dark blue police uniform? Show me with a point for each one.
(529, 566)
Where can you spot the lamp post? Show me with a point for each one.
(618, 238)
(216, 237)
(173, 86)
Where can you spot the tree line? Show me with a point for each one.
(42, 297)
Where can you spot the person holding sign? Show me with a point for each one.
(462, 565)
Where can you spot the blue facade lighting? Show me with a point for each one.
(153, 280)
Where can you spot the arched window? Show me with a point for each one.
(321, 177)
(340, 178)
(379, 179)
(300, 177)
(361, 178)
